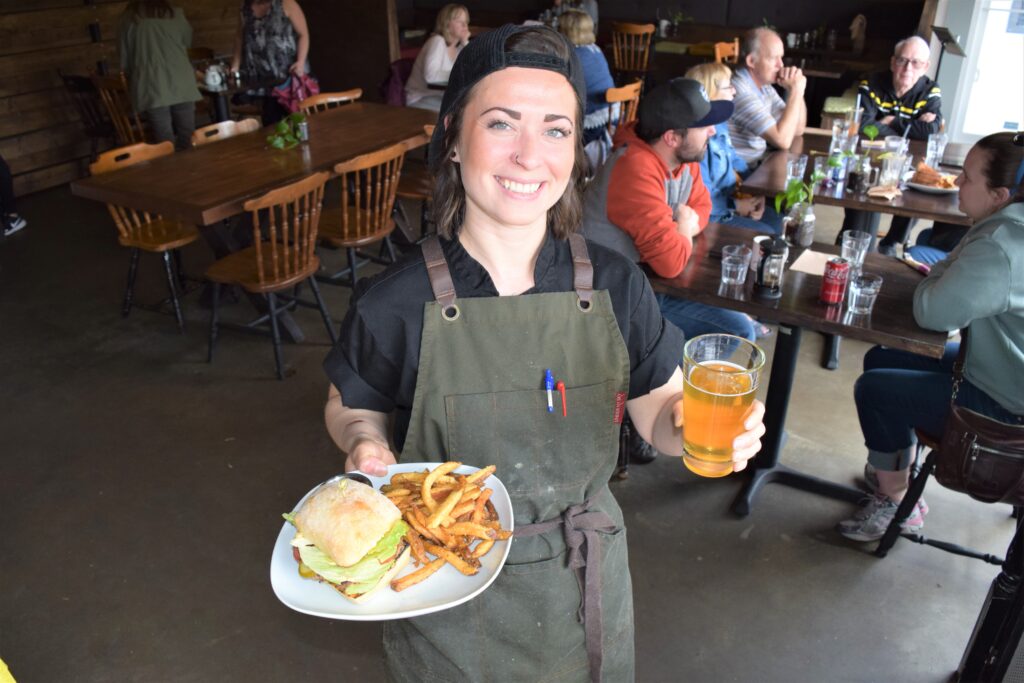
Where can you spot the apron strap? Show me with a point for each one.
(444, 288)
(582, 530)
(437, 270)
(582, 269)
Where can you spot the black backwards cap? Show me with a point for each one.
(486, 54)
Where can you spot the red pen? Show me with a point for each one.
(560, 385)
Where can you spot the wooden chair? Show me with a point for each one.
(143, 231)
(929, 443)
(283, 255)
(329, 100)
(223, 130)
(91, 112)
(113, 92)
(628, 97)
(728, 51)
(369, 183)
(631, 48)
(416, 184)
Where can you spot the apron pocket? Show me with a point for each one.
(571, 450)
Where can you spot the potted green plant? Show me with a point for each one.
(286, 132)
(797, 202)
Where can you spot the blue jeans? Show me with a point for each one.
(902, 391)
(771, 222)
(694, 318)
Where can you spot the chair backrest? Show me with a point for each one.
(629, 98)
(95, 120)
(631, 46)
(728, 51)
(285, 224)
(130, 222)
(329, 100)
(372, 180)
(223, 130)
(113, 92)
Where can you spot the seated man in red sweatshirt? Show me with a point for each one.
(649, 202)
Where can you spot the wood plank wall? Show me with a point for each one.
(40, 135)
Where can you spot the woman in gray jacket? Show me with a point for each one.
(979, 287)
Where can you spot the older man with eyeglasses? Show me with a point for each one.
(895, 101)
(906, 97)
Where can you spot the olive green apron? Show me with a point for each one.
(480, 399)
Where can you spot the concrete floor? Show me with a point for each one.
(141, 492)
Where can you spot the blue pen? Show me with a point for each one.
(549, 384)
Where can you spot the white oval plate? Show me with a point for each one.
(446, 588)
(931, 189)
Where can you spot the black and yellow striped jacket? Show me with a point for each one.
(878, 99)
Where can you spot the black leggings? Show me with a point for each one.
(6, 189)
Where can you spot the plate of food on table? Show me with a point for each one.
(927, 179)
(423, 538)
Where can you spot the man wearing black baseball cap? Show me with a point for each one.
(648, 201)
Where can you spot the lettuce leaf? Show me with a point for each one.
(368, 570)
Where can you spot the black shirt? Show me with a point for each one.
(878, 97)
(376, 360)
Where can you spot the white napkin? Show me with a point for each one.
(812, 262)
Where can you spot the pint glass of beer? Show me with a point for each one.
(721, 373)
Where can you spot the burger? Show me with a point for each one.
(350, 537)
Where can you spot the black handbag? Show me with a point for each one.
(978, 455)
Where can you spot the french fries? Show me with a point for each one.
(451, 518)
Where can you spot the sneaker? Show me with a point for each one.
(13, 223)
(887, 249)
(640, 452)
(870, 522)
(871, 481)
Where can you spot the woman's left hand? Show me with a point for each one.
(298, 68)
(746, 445)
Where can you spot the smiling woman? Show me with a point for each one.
(454, 343)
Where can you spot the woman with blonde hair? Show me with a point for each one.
(722, 168)
(434, 62)
(578, 27)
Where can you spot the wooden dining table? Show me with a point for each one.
(891, 323)
(209, 184)
(770, 178)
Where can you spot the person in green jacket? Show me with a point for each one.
(980, 287)
(154, 38)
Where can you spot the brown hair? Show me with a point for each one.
(150, 9)
(577, 26)
(1003, 159)
(444, 15)
(565, 217)
(707, 75)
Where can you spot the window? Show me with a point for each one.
(990, 93)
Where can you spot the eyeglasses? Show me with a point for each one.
(727, 86)
(916, 63)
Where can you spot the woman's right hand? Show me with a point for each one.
(370, 456)
(235, 65)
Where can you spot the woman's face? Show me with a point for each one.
(977, 199)
(724, 88)
(517, 147)
(458, 27)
